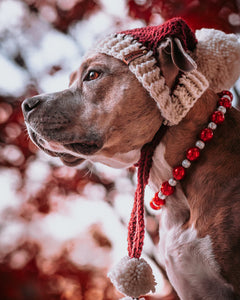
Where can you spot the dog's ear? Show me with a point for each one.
(72, 78)
(173, 58)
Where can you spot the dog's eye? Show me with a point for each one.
(92, 75)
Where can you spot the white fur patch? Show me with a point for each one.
(160, 170)
(190, 263)
(119, 160)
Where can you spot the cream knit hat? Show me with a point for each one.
(138, 48)
(217, 57)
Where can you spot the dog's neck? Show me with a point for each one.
(171, 151)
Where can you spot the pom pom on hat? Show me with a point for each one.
(218, 58)
(133, 277)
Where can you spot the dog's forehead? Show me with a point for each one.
(96, 61)
(94, 58)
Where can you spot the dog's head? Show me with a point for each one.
(114, 106)
(105, 115)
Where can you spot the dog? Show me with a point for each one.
(107, 115)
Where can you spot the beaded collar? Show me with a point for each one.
(192, 154)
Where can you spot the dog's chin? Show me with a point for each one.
(67, 158)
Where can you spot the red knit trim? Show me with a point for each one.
(136, 226)
(151, 36)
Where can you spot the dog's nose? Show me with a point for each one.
(29, 104)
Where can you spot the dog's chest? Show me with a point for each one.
(189, 260)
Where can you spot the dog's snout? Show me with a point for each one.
(30, 103)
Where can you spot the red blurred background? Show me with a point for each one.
(62, 228)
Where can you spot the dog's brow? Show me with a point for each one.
(83, 67)
(86, 64)
(90, 60)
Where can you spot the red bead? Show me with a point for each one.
(193, 153)
(217, 117)
(167, 189)
(206, 134)
(159, 201)
(154, 206)
(156, 202)
(178, 172)
(226, 93)
(225, 102)
(155, 198)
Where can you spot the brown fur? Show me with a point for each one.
(212, 183)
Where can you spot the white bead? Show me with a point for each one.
(186, 163)
(212, 125)
(161, 196)
(222, 109)
(226, 96)
(200, 144)
(172, 182)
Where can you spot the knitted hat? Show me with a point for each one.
(138, 48)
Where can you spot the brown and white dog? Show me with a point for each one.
(107, 116)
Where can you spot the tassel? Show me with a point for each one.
(133, 276)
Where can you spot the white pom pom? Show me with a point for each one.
(218, 57)
(133, 277)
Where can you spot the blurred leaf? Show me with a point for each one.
(218, 14)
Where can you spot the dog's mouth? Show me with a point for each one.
(83, 148)
(69, 159)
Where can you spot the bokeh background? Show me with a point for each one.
(61, 228)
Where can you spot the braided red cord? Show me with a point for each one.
(136, 226)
